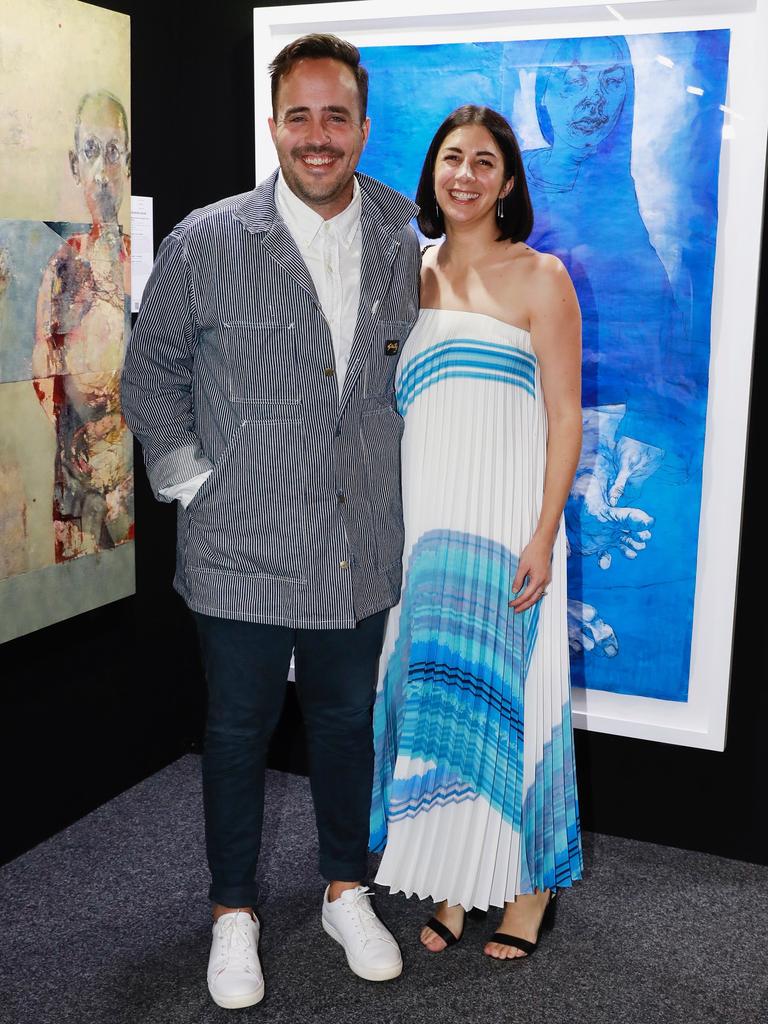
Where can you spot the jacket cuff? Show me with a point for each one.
(177, 467)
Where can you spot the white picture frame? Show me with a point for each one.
(701, 720)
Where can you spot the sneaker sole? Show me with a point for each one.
(238, 1002)
(367, 973)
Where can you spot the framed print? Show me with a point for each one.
(66, 455)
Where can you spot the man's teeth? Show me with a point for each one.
(318, 161)
(465, 195)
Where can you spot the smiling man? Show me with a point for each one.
(260, 382)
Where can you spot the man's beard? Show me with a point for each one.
(324, 192)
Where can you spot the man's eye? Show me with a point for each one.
(574, 78)
(296, 119)
(113, 153)
(91, 149)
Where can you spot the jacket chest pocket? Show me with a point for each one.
(389, 338)
(261, 356)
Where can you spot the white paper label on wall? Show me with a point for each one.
(142, 252)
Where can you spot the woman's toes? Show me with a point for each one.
(432, 941)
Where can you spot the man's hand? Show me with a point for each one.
(588, 632)
(597, 525)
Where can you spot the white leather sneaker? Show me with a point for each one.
(371, 950)
(234, 971)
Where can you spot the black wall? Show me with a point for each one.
(94, 704)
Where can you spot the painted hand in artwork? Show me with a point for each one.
(611, 469)
(588, 632)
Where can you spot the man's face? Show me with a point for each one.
(101, 161)
(585, 94)
(318, 133)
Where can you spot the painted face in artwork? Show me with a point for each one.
(101, 161)
(318, 132)
(585, 92)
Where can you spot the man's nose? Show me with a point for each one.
(596, 95)
(317, 132)
(100, 170)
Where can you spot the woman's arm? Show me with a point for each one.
(556, 340)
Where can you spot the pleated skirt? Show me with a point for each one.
(474, 798)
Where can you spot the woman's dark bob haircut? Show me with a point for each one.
(517, 222)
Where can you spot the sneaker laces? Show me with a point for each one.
(364, 915)
(236, 946)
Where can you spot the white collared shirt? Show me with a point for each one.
(331, 250)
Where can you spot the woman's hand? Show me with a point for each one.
(535, 570)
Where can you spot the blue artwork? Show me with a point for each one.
(621, 143)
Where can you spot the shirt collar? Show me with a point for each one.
(305, 224)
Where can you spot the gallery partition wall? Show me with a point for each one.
(105, 696)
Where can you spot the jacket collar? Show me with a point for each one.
(257, 211)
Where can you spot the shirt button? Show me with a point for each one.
(344, 565)
(329, 371)
(340, 496)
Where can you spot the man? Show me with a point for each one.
(81, 327)
(260, 382)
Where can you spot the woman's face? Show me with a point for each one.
(469, 175)
(585, 92)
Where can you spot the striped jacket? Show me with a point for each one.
(231, 368)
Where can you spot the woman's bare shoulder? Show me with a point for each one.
(531, 261)
(545, 273)
(429, 254)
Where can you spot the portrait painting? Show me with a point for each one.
(66, 456)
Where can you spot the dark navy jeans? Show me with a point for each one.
(246, 666)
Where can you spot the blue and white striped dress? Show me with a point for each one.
(474, 796)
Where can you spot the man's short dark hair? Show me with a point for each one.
(315, 47)
(517, 222)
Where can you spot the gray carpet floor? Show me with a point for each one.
(107, 923)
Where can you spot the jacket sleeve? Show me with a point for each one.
(157, 394)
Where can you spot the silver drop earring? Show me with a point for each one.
(500, 208)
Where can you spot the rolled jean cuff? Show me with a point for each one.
(234, 895)
(344, 871)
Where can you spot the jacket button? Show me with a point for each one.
(329, 371)
(344, 565)
(340, 496)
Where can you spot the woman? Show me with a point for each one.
(474, 794)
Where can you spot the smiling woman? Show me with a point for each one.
(474, 794)
(475, 145)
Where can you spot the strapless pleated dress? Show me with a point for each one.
(474, 797)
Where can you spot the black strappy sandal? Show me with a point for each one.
(444, 933)
(528, 947)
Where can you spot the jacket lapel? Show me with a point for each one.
(258, 213)
(282, 248)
